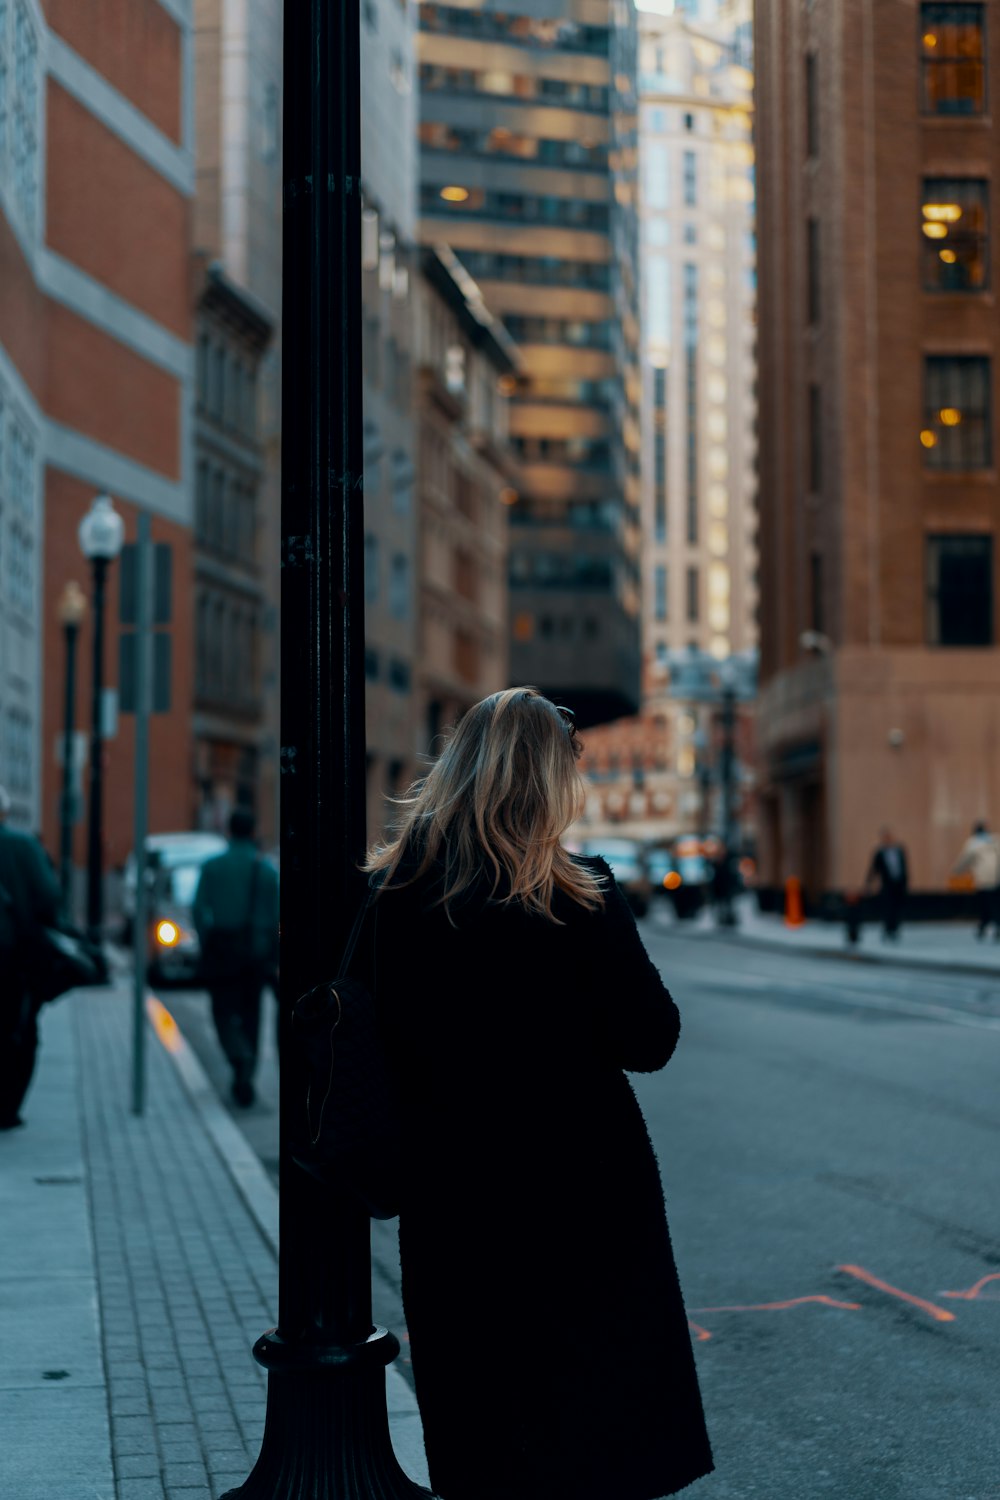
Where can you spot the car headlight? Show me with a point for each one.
(168, 934)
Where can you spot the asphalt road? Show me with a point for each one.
(829, 1138)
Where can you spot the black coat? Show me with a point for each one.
(888, 878)
(550, 1348)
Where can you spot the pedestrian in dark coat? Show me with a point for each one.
(236, 917)
(513, 989)
(890, 873)
(29, 899)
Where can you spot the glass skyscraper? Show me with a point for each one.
(528, 149)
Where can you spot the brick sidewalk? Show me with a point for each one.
(138, 1267)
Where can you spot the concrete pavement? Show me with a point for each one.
(137, 1267)
(946, 946)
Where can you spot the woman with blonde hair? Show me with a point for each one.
(550, 1349)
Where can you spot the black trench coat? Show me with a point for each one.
(550, 1349)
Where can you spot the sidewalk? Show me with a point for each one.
(941, 946)
(137, 1267)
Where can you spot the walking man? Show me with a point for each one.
(236, 915)
(980, 857)
(29, 899)
(888, 870)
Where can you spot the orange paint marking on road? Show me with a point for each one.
(781, 1306)
(973, 1292)
(701, 1334)
(941, 1314)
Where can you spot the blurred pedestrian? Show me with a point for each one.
(888, 872)
(29, 899)
(236, 917)
(980, 857)
(513, 989)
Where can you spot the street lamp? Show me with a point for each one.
(101, 534)
(71, 610)
(727, 767)
(326, 1433)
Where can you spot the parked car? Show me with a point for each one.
(682, 871)
(174, 862)
(627, 865)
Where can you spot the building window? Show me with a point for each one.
(692, 600)
(812, 272)
(690, 328)
(956, 430)
(953, 74)
(955, 228)
(817, 614)
(960, 590)
(815, 441)
(690, 179)
(399, 586)
(371, 569)
(660, 592)
(812, 107)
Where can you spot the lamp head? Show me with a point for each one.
(102, 531)
(72, 605)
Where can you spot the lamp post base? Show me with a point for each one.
(326, 1433)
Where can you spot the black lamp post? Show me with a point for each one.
(727, 768)
(101, 533)
(72, 608)
(326, 1435)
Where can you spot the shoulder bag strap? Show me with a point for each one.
(359, 922)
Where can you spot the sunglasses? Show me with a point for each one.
(569, 719)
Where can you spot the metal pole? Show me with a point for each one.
(71, 633)
(95, 853)
(727, 914)
(140, 932)
(326, 1436)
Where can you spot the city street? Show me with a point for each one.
(827, 1133)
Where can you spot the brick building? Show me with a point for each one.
(96, 177)
(877, 164)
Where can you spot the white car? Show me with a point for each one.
(174, 862)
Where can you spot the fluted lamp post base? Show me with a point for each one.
(326, 1432)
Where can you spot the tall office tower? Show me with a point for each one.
(699, 403)
(392, 596)
(96, 374)
(528, 157)
(878, 161)
(699, 286)
(236, 284)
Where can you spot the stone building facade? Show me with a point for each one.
(96, 372)
(877, 168)
(465, 364)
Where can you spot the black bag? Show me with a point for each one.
(351, 1126)
(56, 959)
(227, 952)
(51, 960)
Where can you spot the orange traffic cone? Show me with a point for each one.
(794, 915)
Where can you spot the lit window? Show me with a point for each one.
(956, 429)
(954, 234)
(952, 59)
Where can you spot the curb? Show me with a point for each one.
(261, 1199)
(860, 956)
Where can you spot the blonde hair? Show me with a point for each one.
(498, 800)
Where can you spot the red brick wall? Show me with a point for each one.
(134, 44)
(114, 216)
(106, 391)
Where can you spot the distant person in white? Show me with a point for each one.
(888, 873)
(980, 858)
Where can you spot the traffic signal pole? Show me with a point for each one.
(326, 1434)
